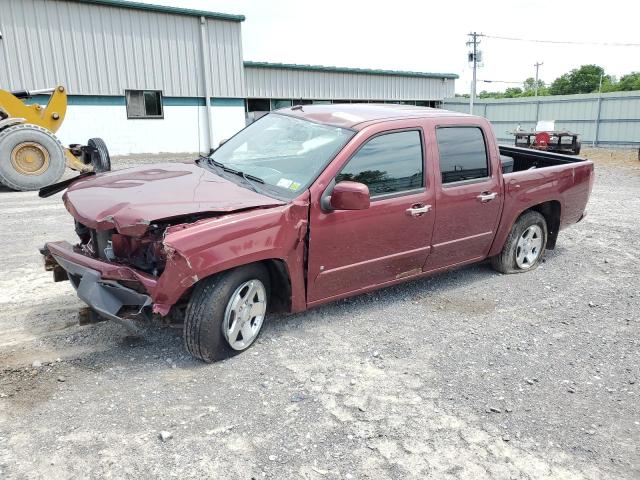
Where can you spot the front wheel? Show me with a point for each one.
(226, 312)
(524, 246)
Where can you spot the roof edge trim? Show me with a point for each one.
(165, 9)
(323, 68)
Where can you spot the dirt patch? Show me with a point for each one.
(623, 157)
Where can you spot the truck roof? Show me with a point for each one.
(351, 115)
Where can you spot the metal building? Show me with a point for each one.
(317, 83)
(151, 78)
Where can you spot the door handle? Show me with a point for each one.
(485, 197)
(418, 210)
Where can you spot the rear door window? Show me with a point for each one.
(463, 154)
(388, 163)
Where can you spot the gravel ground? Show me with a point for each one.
(465, 375)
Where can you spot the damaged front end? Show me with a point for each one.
(116, 274)
(105, 297)
(145, 253)
(141, 231)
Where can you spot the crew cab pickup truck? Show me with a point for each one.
(307, 205)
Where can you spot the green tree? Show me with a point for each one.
(513, 92)
(529, 87)
(630, 81)
(485, 94)
(585, 79)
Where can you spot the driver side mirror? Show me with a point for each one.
(350, 196)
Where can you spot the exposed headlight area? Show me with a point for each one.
(144, 253)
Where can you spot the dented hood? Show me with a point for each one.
(129, 200)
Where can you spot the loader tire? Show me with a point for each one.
(101, 161)
(31, 157)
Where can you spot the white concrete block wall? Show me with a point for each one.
(226, 121)
(182, 130)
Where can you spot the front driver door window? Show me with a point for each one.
(387, 164)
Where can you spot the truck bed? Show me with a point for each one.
(550, 181)
(528, 159)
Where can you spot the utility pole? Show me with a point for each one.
(473, 57)
(598, 112)
(537, 65)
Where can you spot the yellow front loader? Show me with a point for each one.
(31, 156)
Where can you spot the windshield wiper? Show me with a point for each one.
(245, 176)
(211, 161)
(248, 178)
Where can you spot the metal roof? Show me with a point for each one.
(323, 68)
(350, 115)
(166, 9)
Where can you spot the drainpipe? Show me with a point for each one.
(204, 50)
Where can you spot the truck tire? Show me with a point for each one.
(31, 157)
(226, 312)
(576, 150)
(101, 162)
(524, 246)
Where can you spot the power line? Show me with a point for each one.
(501, 81)
(564, 42)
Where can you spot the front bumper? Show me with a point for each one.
(105, 296)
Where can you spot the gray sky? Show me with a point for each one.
(430, 36)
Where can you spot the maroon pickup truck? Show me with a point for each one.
(307, 205)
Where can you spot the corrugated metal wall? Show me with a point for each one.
(225, 58)
(619, 119)
(103, 50)
(264, 82)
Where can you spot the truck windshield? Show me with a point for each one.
(286, 153)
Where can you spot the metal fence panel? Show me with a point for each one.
(607, 119)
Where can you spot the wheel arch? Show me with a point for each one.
(551, 211)
(280, 284)
(279, 278)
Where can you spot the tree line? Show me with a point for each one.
(585, 79)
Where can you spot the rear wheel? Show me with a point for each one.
(31, 157)
(524, 246)
(101, 161)
(226, 312)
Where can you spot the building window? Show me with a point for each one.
(144, 103)
(388, 163)
(258, 105)
(463, 154)
(276, 104)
